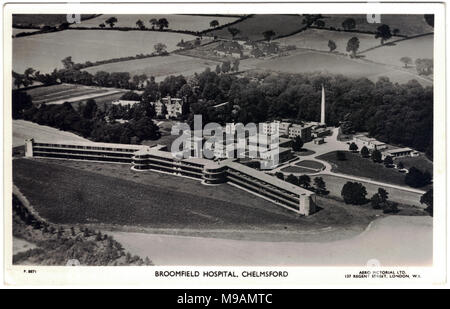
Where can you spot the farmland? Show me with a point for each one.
(318, 40)
(303, 61)
(44, 52)
(39, 20)
(407, 24)
(176, 22)
(253, 27)
(22, 130)
(420, 47)
(58, 94)
(158, 67)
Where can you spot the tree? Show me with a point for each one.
(353, 46)
(304, 181)
(154, 23)
(297, 143)
(395, 31)
(331, 45)
(365, 152)
(111, 21)
(163, 23)
(102, 25)
(383, 32)
(354, 193)
(268, 35)
(21, 101)
(388, 162)
(376, 156)
(319, 23)
(233, 31)
(353, 147)
(292, 179)
(424, 66)
(279, 175)
(375, 201)
(320, 186)
(416, 178)
(383, 195)
(214, 23)
(68, 63)
(235, 67)
(89, 109)
(160, 48)
(400, 165)
(226, 66)
(140, 24)
(349, 24)
(218, 69)
(429, 18)
(427, 199)
(406, 61)
(340, 155)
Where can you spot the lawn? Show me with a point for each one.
(318, 39)
(408, 24)
(297, 170)
(176, 22)
(303, 61)
(421, 162)
(253, 27)
(311, 164)
(363, 167)
(158, 67)
(44, 52)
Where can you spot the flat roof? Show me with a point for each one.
(93, 144)
(271, 180)
(398, 150)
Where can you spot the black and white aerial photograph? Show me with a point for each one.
(222, 139)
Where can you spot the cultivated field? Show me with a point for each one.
(43, 19)
(58, 94)
(22, 129)
(363, 167)
(44, 52)
(318, 39)
(253, 27)
(176, 22)
(309, 61)
(158, 67)
(407, 24)
(421, 47)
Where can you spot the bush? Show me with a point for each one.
(416, 178)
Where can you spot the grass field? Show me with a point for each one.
(318, 39)
(93, 193)
(303, 61)
(176, 22)
(363, 167)
(422, 163)
(22, 129)
(334, 184)
(421, 47)
(253, 27)
(44, 52)
(407, 24)
(297, 170)
(158, 67)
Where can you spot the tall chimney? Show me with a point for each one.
(322, 112)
